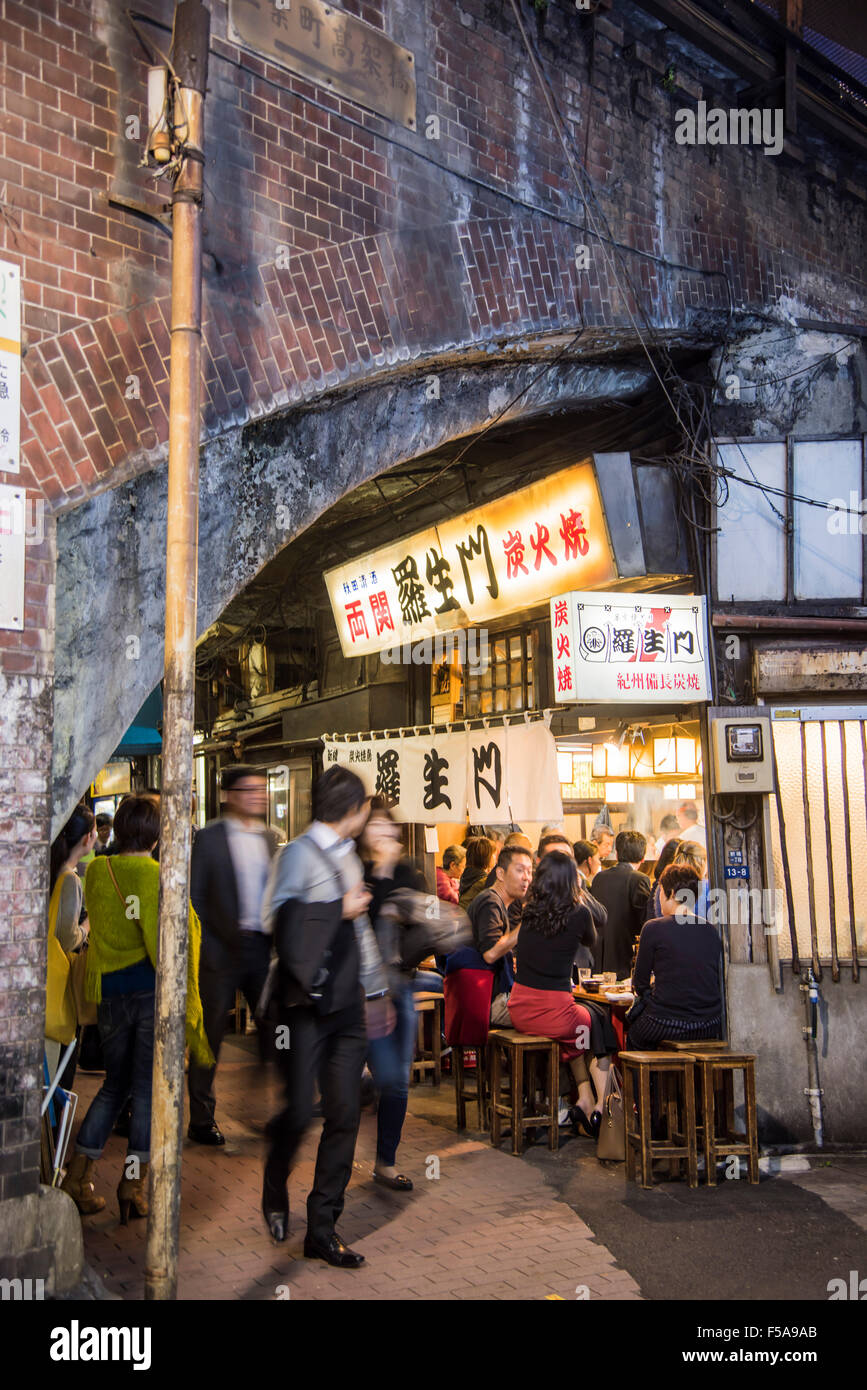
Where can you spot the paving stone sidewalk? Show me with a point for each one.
(489, 1227)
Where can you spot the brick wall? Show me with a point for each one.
(339, 246)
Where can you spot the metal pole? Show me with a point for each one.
(189, 61)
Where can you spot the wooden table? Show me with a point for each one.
(618, 1011)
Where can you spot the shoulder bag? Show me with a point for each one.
(59, 1001)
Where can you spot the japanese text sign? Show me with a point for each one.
(10, 367)
(644, 648)
(494, 776)
(332, 48)
(493, 561)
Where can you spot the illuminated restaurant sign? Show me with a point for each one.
(490, 562)
(645, 648)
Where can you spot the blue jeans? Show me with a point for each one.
(390, 1059)
(126, 1030)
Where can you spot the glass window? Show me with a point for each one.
(827, 543)
(748, 525)
(508, 683)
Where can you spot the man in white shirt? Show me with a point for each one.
(690, 827)
(229, 869)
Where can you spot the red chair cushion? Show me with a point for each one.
(467, 995)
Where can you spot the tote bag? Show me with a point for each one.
(59, 1000)
(611, 1142)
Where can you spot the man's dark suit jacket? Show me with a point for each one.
(624, 892)
(214, 894)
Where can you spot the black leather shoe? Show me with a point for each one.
(399, 1183)
(206, 1134)
(277, 1223)
(334, 1253)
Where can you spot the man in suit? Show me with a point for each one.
(623, 892)
(229, 869)
(328, 964)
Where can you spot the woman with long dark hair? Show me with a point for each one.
(554, 924)
(75, 840)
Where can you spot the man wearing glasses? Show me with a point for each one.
(229, 869)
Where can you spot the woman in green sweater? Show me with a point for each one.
(121, 892)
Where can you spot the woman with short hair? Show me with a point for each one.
(122, 894)
(683, 953)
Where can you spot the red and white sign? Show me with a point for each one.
(629, 648)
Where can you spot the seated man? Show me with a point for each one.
(493, 935)
(624, 892)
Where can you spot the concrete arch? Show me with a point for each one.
(261, 485)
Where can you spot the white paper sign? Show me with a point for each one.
(490, 776)
(628, 648)
(12, 541)
(10, 367)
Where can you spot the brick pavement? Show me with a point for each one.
(489, 1227)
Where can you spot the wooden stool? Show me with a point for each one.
(238, 1013)
(715, 1071)
(514, 1046)
(680, 1142)
(466, 1092)
(702, 1045)
(429, 1058)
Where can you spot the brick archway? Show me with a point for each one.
(261, 486)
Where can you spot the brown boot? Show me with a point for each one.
(79, 1184)
(132, 1195)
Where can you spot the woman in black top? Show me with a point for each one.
(553, 925)
(683, 952)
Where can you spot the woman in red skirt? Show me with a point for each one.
(554, 924)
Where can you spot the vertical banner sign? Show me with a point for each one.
(494, 776)
(10, 367)
(628, 647)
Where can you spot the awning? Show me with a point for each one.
(144, 734)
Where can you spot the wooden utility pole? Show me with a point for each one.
(189, 58)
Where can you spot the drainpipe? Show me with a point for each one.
(190, 64)
(813, 1092)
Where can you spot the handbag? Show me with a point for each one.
(85, 1009)
(611, 1141)
(59, 1001)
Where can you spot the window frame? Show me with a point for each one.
(785, 505)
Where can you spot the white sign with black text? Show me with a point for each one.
(628, 648)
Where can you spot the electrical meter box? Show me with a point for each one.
(742, 754)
